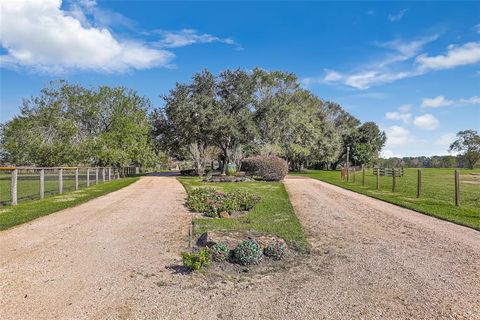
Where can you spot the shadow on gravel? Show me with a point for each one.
(178, 269)
(163, 174)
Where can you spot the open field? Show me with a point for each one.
(274, 214)
(437, 197)
(24, 212)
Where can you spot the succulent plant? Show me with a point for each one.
(276, 250)
(248, 252)
(220, 252)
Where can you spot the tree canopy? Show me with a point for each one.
(468, 145)
(70, 125)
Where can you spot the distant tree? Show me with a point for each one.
(468, 145)
(366, 143)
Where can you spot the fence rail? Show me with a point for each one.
(387, 178)
(388, 172)
(19, 184)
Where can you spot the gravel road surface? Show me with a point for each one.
(117, 257)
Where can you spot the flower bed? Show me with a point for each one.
(216, 204)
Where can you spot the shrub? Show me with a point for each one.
(196, 260)
(276, 250)
(198, 199)
(246, 201)
(211, 202)
(220, 252)
(248, 252)
(269, 168)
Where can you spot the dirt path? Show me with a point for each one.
(109, 258)
(94, 260)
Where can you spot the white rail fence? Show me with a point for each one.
(29, 183)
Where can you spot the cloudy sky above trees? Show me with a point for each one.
(414, 68)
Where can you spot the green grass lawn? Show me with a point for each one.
(437, 197)
(14, 215)
(274, 214)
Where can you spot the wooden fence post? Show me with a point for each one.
(109, 174)
(378, 178)
(419, 183)
(394, 181)
(103, 174)
(96, 175)
(42, 183)
(60, 181)
(88, 177)
(353, 179)
(457, 188)
(363, 175)
(76, 179)
(13, 189)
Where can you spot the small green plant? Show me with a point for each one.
(246, 201)
(220, 252)
(197, 260)
(212, 202)
(248, 252)
(276, 250)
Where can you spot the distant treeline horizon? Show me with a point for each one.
(446, 161)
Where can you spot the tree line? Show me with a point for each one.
(222, 118)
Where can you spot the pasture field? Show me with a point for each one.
(23, 212)
(438, 191)
(273, 214)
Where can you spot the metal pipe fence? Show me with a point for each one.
(18, 184)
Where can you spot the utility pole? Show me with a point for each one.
(348, 150)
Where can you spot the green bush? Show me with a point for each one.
(245, 200)
(196, 260)
(276, 250)
(220, 252)
(198, 199)
(248, 252)
(211, 202)
(269, 168)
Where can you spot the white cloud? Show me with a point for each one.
(387, 154)
(441, 101)
(403, 114)
(333, 76)
(186, 37)
(436, 102)
(380, 71)
(469, 53)
(426, 122)
(39, 36)
(477, 28)
(445, 140)
(472, 100)
(398, 16)
(397, 136)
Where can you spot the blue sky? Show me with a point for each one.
(412, 67)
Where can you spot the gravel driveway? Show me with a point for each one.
(115, 258)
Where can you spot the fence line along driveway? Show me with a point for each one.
(92, 261)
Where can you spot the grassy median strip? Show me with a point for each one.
(437, 197)
(14, 215)
(273, 214)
